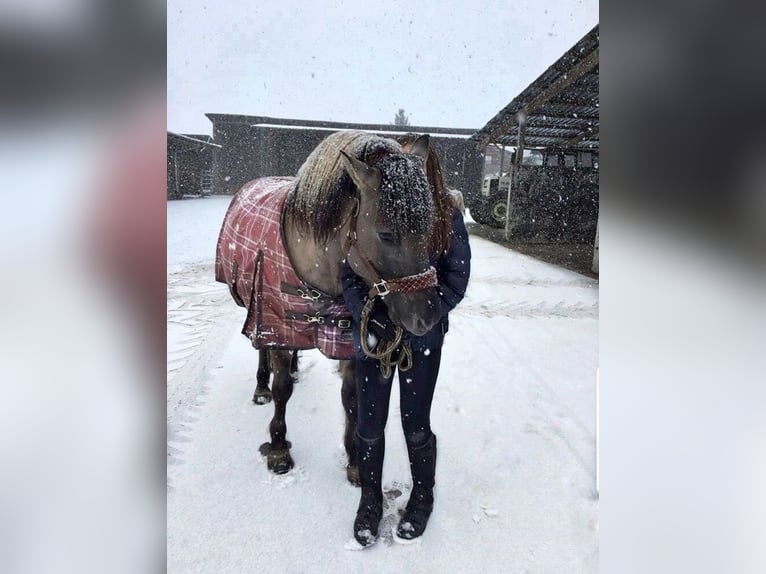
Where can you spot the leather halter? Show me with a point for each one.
(382, 287)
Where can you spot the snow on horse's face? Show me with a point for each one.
(394, 227)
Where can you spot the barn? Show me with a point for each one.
(256, 146)
(189, 163)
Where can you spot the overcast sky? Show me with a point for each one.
(449, 63)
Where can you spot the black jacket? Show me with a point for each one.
(453, 269)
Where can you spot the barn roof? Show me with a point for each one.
(561, 105)
(194, 141)
(287, 123)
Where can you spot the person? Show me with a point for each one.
(451, 257)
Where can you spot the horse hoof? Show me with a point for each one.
(282, 465)
(352, 474)
(278, 461)
(262, 397)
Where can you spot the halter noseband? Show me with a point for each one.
(408, 284)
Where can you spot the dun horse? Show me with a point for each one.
(262, 393)
(356, 197)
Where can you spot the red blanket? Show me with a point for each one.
(282, 311)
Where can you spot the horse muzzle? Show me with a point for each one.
(412, 301)
(416, 312)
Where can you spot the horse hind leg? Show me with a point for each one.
(348, 396)
(262, 394)
(277, 452)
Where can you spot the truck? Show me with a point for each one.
(557, 188)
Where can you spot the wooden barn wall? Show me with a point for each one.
(256, 151)
(189, 164)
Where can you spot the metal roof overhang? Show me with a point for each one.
(561, 106)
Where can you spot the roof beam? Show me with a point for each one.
(551, 141)
(582, 103)
(584, 135)
(558, 132)
(569, 133)
(552, 109)
(562, 121)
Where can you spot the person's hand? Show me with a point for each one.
(380, 324)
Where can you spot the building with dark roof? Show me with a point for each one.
(256, 146)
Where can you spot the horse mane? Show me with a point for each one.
(405, 201)
(442, 199)
(323, 188)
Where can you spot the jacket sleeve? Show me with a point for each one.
(454, 267)
(354, 291)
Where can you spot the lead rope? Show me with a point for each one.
(385, 349)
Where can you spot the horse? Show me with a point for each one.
(262, 393)
(357, 197)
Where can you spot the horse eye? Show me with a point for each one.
(388, 238)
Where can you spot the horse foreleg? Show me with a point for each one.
(262, 394)
(294, 363)
(348, 396)
(277, 452)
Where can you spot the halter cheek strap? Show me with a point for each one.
(382, 287)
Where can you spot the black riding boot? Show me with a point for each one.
(370, 509)
(421, 502)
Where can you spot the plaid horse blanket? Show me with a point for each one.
(282, 311)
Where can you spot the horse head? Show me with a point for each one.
(393, 229)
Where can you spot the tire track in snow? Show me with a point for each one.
(199, 328)
(551, 416)
(554, 413)
(536, 281)
(526, 310)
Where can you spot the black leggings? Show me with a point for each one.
(416, 392)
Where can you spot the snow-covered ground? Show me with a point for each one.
(514, 412)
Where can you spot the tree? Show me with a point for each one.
(401, 119)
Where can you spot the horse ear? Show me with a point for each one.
(420, 147)
(365, 177)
